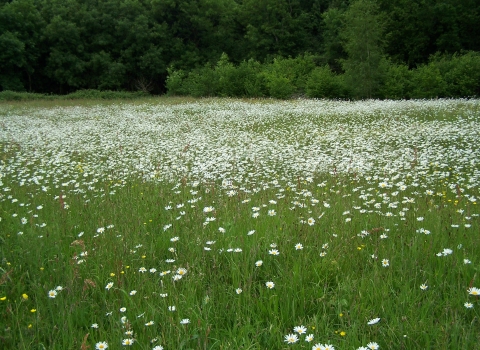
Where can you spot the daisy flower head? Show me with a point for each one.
(385, 263)
(128, 341)
(259, 263)
(181, 271)
(273, 252)
(270, 284)
(185, 321)
(272, 212)
(208, 209)
(309, 338)
(300, 329)
(251, 232)
(311, 221)
(109, 285)
(373, 321)
(317, 347)
(158, 347)
(291, 338)
(373, 346)
(447, 251)
(298, 246)
(238, 290)
(474, 291)
(468, 305)
(52, 293)
(101, 345)
(328, 347)
(423, 286)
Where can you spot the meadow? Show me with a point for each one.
(240, 224)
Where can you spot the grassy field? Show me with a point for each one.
(235, 224)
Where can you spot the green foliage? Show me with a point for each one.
(417, 29)
(254, 84)
(428, 82)
(333, 25)
(323, 83)
(296, 69)
(8, 95)
(460, 72)
(230, 82)
(80, 94)
(175, 83)
(105, 95)
(59, 46)
(363, 35)
(279, 86)
(397, 83)
(279, 27)
(202, 82)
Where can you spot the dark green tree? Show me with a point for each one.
(363, 43)
(21, 27)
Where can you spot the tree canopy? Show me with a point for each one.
(60, 46)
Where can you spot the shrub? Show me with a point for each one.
(229, 81)
(8, 95)
(279, 86)
(428, 82)
(201, 82)
(397, 82)
(104, 95)
(296, 70)
(462, 74)
(323, 83)
(175, 83)
(254, 83)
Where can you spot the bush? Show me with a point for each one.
(201, 82)
(80, 94)
(229, 81)
(296, 70)
(428, 82)
(323, 83)
(461, 74)
(8, 95)
(279, 86)
(254, 83)
(397, 82)
(104, 95)
(175, 82)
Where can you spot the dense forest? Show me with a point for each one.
(322, 48)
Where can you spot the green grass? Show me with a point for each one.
(108, 233)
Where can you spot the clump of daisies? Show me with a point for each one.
(54, 292)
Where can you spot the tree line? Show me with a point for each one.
(322, 48)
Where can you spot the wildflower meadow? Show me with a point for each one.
(240, 224)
